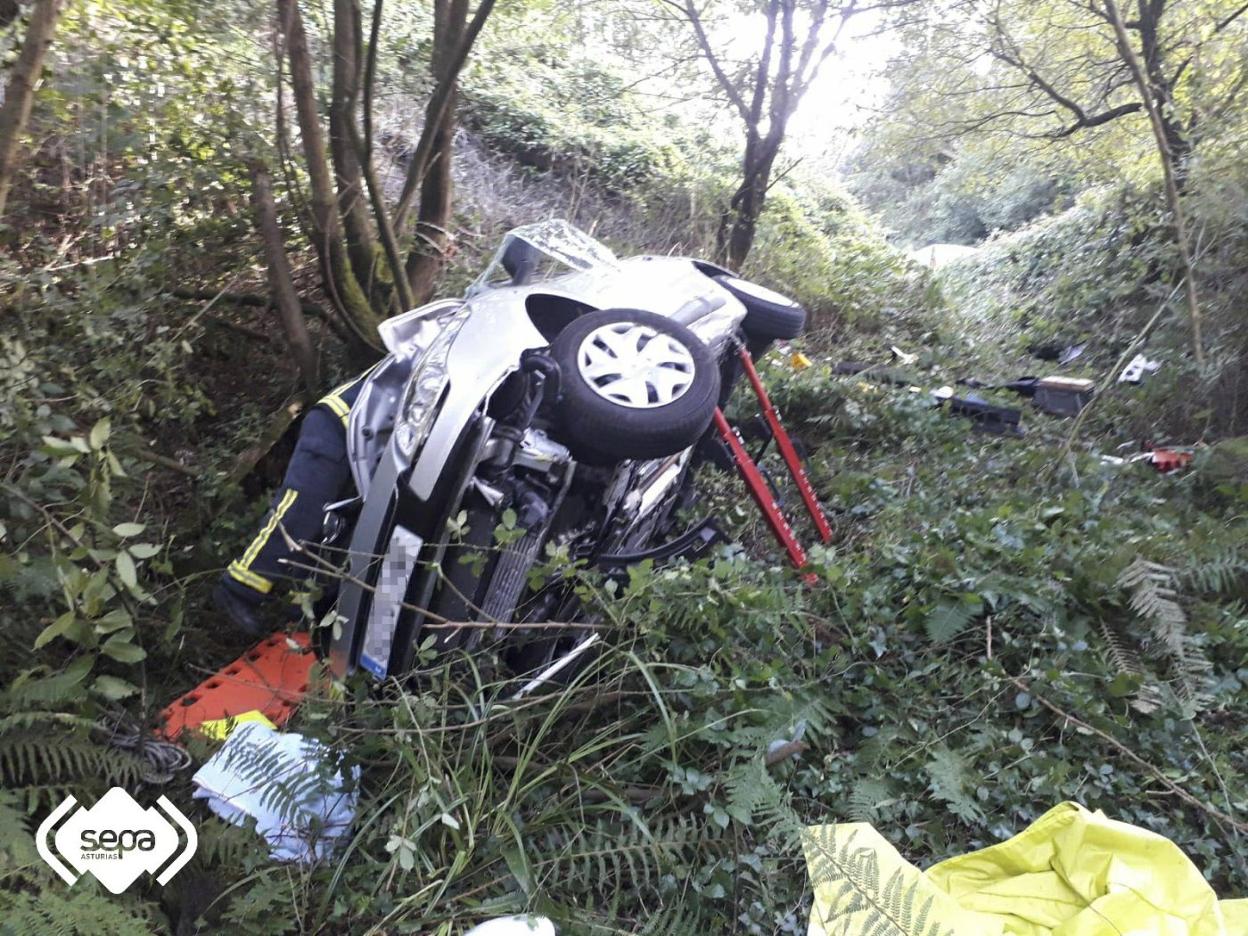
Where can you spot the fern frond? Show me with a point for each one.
(861, 900)
(1219, 575)
(263, 907)
(752, 791)
(872, 751)
(950, 778)
(865, 799)
(587, 858)
(224, 844)
(80, 912)
(1154, 598)
(951, 618)
(17, 845)
(1123, 659)
(677, 919)
(29, 758)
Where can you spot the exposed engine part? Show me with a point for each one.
(489, 493)
(535, 509)
(510, 576)
(540, 452)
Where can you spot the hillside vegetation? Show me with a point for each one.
(1000, 625)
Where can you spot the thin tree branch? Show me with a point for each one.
(438, 102)
(690, 12)
(1134, 758)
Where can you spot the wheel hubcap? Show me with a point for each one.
(635, 365)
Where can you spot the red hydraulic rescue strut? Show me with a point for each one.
(759, 490)
(785, 444)
(757, 485)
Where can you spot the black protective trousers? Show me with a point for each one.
(318, 474)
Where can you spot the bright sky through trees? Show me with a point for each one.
(851, 84)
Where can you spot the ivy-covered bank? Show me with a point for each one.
(982, 643)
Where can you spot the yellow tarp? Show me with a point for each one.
(1070, 873)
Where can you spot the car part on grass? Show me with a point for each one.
(1071, 353)
(997, 420)
(769, 315)
(1023, 386)
(875, 373)
(271, 678)
(548, 675)
(1063, 396)
(904, 357)
(1058, 396)
(1167, 460)
(1136, 369)
(692, 545)
(1057, 352)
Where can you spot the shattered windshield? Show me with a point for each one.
(537, 252)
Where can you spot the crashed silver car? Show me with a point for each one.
(562, 400)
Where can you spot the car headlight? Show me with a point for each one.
(424, 388)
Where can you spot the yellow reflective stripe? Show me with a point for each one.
(335, 403)
(338, 407)
(250, 579)
(263, 536)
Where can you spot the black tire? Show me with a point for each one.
(600, 431)
(769, 316)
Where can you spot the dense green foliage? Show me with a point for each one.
(979, 587)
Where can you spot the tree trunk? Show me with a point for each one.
(20, 92)
(361, 248)
(364, 152)
(429, 171)
(747, 205)
(1159, 87)
(289, 309)
(424, 261)
(1168, 169)
(737, 236)
(341, 285)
